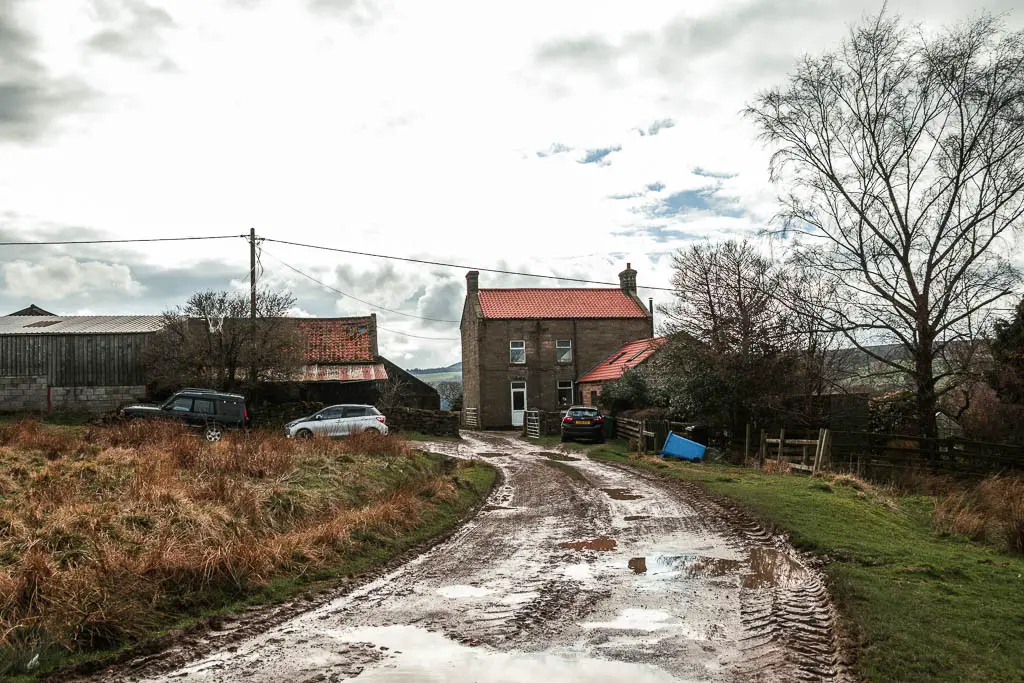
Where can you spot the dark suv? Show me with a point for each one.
(205, 409)
(583, 422)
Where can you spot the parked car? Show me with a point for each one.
(211, 411)
(583, 422)
(337, 421)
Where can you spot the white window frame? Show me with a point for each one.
(572, 391)
(512, 347)
(562, 345)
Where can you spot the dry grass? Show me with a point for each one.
(105, 533)
(991, 511)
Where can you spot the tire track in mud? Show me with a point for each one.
(786, 611)
(588, 570)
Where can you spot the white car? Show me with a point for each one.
(337, 421)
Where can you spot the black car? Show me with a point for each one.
(205, 409)
(583, 422)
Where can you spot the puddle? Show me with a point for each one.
(561, 457)
(489, 508)
(636, 620)
(602, 543)
(687, 566)
(770, 568)
(621, 494)
(634, 518)
(415, 654)
(463, 591)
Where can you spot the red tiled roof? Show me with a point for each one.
(559, 303)
(339, 340)
(629, 356)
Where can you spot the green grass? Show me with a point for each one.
(917, 606)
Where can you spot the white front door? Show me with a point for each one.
(518, 403)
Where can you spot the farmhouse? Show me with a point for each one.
(524, 348)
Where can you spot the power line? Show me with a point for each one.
(462, 267)
(124, 241)
(416, 336)
(345, 294)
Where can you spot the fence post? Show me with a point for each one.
(746, 446)
(782, 442)
(818, 451)
(763, 450)
(643, 439)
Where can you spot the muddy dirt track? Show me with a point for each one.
(574, 571)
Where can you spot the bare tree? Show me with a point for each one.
(729, 335)
(904, 157)
(450, 392)
(210, 339)
(393, 394)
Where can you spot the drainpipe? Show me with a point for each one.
(575, 363)
(650, 303)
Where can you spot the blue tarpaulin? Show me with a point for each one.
(678, 447)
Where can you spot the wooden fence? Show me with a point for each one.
(873, 454)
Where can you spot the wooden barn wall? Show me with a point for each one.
(75, 360)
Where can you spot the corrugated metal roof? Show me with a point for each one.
(629, 356)
(79, 324)
(559, 303)
(362, 372)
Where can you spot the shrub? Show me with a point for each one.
(991, 511)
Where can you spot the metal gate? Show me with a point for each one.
(533, 424)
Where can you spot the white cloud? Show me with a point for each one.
(54, 279)
(391, 127)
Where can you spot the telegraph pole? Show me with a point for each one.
(252, 275)
(252, 308)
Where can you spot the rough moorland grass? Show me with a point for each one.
(112, 534)
(917, 606)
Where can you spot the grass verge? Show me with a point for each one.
(117, 534)
(916, 605)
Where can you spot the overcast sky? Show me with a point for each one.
(551, 137)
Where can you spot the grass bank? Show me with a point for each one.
(917, 605)
(109, 535)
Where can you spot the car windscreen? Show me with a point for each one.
(583, 412)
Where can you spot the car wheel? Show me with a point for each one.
(599, 439)
(565, 438)
(304, 434)
(213, 433)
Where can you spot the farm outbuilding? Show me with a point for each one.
(72, 363)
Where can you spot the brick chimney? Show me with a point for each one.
(472, 282)
(627, 280)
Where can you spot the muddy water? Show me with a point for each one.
(608, 575)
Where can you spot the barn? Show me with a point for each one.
(72, 363)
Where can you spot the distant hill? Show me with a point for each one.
(454, 367)
(452, 373)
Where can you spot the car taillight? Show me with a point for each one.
(245, 414)
(380, 418)
(598, 419)
(567, 419)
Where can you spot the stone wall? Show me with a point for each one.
(23, 394)
(93, 399)
(433, 422)
(32, 395)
